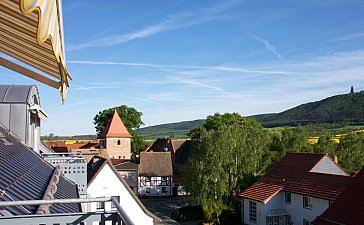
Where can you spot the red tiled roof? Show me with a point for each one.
(319, 221)
(349, 206)
(91, 145)
(265, 193)
(118, 161)
(292, 174)
(115, 128)
(55, 143)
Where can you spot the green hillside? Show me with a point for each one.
(344, 109)
(175, 130)
(347, 108)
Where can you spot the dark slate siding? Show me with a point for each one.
(24, 175)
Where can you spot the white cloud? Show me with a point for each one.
(179, 67)
(181, 20)
(268, 46)
(348, 37)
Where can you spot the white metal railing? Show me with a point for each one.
(68, 218)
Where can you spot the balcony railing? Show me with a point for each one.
(82, 218)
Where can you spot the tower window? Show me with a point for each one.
(118, 142)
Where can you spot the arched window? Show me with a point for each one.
(118, 142)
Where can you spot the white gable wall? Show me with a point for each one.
(107, 184)
(326, 165)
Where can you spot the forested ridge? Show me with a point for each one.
(346, 109)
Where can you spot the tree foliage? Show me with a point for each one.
(131, 119)
(129, 115)
(229, 148)
(350, 152)
(289, 140)
(233, 152)
(325, 144)
(228, 119)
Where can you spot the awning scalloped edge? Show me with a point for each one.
(50, 26)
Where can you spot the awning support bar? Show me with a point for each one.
(36, 76)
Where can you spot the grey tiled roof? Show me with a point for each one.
(127, 165)
(24, 175)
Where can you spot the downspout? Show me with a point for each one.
(49, 192)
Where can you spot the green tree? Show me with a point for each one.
(229, 150)
(325, 144)
(131, 119)
(351, 153)
(228, 119)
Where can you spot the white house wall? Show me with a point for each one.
(295, 209)
(262, 209)
(155, 189)
(326, 165)
(107, 184)
(298, 212)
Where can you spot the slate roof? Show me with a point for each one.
(348, 208)
(25, 176)
(160, 145)
(125, 165)
(183, 151)
(171, 145)
(292, 174)
(158, 164)
(180, 148)
(115, 128)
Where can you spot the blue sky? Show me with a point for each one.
(183, 60)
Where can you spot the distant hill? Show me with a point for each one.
(346, 108)
(175, 130)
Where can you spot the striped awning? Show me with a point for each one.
(31, 31)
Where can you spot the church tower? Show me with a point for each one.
(116, 139)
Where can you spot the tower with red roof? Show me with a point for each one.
(116, 139)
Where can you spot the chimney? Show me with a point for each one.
(335, 159)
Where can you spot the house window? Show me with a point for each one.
(100, 205)
(307, 202)
(118, 142)
(306, 222)
(112, 205)
(164, 190)
(252, 211)
(272, 220)
(130, 176)
(147, 179)
(147, 190)
(287, 197)
(164, 181)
